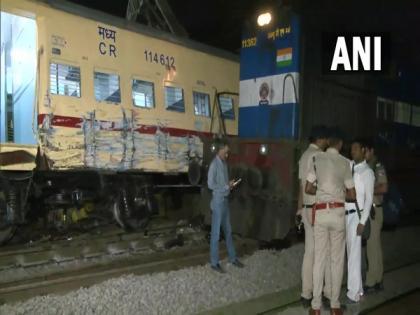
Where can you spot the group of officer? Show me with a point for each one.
(338, 200)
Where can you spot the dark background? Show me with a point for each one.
(219, 23)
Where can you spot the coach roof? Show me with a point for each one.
(137, 28)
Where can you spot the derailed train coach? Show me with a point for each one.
(97, 113)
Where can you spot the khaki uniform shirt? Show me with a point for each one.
(380, 178)
(304, 165)
(333, 175)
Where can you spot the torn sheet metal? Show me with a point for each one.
(118, 144)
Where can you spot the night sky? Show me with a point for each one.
(219, 22)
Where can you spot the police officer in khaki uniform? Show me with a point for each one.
(318, 143)
(329, 178)
(375, 270)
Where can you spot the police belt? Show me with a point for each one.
(352, 211)
(323, 206)
(377, 206)
(308, 206)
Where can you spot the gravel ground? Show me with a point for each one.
(185, 291)
(196, 289)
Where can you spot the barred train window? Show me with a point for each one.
(415, 121)
(107, 87)
(174, 99)
(143, 94)
(64, 80)
(402, 113)
(226, 104)
(201, 104)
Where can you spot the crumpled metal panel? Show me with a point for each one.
(116, 145)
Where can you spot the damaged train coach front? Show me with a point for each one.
(110, 108)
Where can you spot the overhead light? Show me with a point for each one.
(264, 19)
(263, 149)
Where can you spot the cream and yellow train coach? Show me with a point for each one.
(98, 100)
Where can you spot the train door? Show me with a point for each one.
(18, 80)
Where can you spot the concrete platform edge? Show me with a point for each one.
(257, 305)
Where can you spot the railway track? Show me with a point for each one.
(148, 255)
(164, 260)
(111, 241)
(66, 281)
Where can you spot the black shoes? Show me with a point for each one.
(373, 289)
(369, 290)
(306, 303)
(218, 268)
(379, 286)
(349, 301)
(238, 264)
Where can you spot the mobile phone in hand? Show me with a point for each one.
(237, 182)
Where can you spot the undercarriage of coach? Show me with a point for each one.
(58, 203)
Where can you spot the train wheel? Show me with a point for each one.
(130, 216)
(119, 209)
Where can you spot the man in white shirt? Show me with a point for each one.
(357, 213)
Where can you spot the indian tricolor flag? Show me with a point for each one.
(284, 57)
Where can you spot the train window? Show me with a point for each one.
(143, 94)
(201, 104)
(226, 105)
(415, 120)
(174, 99)
(64, 80)
(386, 109)
(402, 113)
(107, 87)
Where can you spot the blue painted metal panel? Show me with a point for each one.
(260, 60)
(273, 122)
(269, 73)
